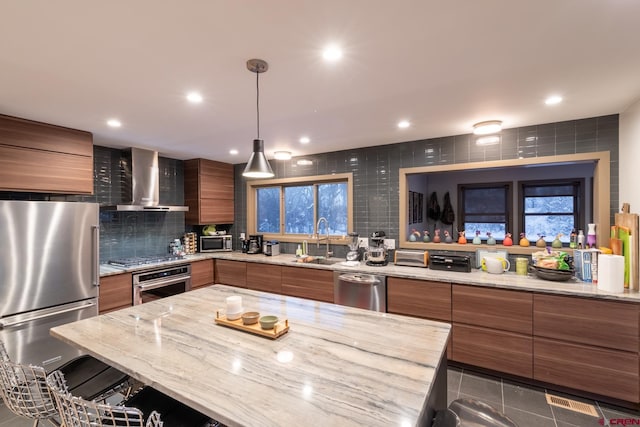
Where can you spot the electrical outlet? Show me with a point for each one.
(363, 242)
(390, 243)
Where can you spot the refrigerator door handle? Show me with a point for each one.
(24, 319)
(95, 248)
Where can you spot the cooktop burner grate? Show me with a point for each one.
(143, 260)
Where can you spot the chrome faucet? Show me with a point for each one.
(328, 253)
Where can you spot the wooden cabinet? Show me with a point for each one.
(201, 273)
(209, 192)
(419, 298)
(308, 283)
(587, 344)
(39, 157)
(116, 292)
(492, 329)
(264, 277)
(232, 273)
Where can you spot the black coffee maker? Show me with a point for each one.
(255, 244)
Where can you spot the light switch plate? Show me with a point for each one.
(363, 242)
(390, 243)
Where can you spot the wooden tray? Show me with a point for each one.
(282, 327)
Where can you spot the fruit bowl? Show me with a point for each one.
(551, 274)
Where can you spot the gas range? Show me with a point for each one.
(144, 260)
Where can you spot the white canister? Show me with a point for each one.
(611, 273)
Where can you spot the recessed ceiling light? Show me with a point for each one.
(282, 155)
(305, 140)
(332, 53)
(233, 152)
(304, 162)
(403, 124)
(194, 97)
(488, 127)
(488, 140)
(114, 123)
(553, 100)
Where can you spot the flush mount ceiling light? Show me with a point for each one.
(282, 155)
(553, 100)
(488, 127)
(488, 140)
(258, 166)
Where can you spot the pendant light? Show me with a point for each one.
(258, 166)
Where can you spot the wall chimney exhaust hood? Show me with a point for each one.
(141, 183)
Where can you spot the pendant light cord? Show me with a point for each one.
(258, 103)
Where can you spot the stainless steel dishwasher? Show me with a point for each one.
(360, 290)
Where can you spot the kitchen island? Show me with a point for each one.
(337, 366)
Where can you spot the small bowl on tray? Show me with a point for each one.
(250, 318)
(268, 322)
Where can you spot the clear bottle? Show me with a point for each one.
(573, 239)
(580, 239)
(299, 251)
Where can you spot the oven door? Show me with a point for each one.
(152, 290)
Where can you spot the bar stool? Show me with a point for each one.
(78, 412)
(24, 391)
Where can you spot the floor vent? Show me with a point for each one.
(572, 405)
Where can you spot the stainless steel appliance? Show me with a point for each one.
(360, 290)
(255, 244)
(49, 276)
(353, 254)
(140, 183)
(217, 243)
(377, 253)
(150, 285)
(411, 258)
(272, 248)
(461, 263)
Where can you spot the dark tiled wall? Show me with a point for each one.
(127, 234)
(375, 169)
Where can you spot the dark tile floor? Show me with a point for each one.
(525, 405)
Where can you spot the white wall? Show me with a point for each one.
(630, 157)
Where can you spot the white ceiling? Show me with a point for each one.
(443, 65)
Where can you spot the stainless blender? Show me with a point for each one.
(353, 254)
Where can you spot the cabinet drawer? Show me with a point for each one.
(493, 308)
(497, 350)
(115, 292)
(597, 370)
(420, 298)
(587, 321)
(201, 273)
(308, 283)
(264, 277)
(232, 273)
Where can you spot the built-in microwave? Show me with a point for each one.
(217, 243)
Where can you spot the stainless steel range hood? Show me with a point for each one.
(141, 184)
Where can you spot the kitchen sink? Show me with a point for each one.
(321, 260)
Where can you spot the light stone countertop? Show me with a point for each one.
(337, 366)
(508, 280)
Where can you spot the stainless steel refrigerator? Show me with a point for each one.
(49, 275)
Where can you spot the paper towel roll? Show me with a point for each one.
(611, 273)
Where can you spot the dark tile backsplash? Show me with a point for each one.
(375, 178)
(375, 169)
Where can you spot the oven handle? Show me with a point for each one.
(44, 316)
(162, 283)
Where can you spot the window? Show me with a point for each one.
(484, 208)
(552, 207)
(292, 207)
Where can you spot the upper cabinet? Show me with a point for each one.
(208, 191)
(40, 157)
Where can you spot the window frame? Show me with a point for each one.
(579, 204)
(508, 213)
(253, 185)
